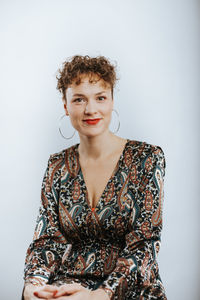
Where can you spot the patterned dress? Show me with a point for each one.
(113, 246)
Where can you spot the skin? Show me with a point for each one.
(94, 100)
(72, 291)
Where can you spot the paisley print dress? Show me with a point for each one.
(113, 246)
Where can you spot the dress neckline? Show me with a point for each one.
(114, 173)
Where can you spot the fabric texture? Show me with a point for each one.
(115, 245)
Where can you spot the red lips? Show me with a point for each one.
(92, 121)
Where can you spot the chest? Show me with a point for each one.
(97, 176)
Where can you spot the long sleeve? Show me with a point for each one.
(45, 252)
(136, 271)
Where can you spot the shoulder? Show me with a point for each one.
(61, 155)
(147, 153)
(57, 159)
(143, 148)
(64, 161)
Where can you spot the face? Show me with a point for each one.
(89, 106)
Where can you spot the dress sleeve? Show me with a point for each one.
(45, 252)
(136, 273)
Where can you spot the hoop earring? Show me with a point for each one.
(118, 126)
(67, 138)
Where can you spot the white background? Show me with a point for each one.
(156, 45)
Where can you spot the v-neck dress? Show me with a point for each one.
(113, 246)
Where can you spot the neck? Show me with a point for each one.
(97, 147)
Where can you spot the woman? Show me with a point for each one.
(99, 225)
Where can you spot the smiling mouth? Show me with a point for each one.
(92, 121)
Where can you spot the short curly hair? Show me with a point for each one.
(78, 65)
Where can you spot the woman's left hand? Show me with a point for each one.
(76, 291)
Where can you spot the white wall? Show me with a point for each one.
(156, 45)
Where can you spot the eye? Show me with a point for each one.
(78, 100)
(101, 98)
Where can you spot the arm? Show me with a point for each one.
(136, 269)
(45, 252)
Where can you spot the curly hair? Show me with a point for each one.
(78, 65)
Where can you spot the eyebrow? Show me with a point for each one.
(75, 95)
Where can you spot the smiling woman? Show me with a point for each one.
(91, 114)
(98, 231)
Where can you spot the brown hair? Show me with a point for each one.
(77, 65)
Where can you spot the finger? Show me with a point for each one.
(81, 294)
(48, 288)
(43, 294)
(47, 291)
(70, 297)
(68, 289)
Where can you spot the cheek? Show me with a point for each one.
(74, 121)
(75, 116)
(108, 109)
(74, 112)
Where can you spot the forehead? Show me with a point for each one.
(89, 82)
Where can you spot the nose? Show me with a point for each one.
(90, 107)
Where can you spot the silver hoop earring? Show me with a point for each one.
(118, 126)
(67, 138)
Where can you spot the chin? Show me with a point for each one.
(91, 133)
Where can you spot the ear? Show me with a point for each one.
(65, 106)
(112, 102)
